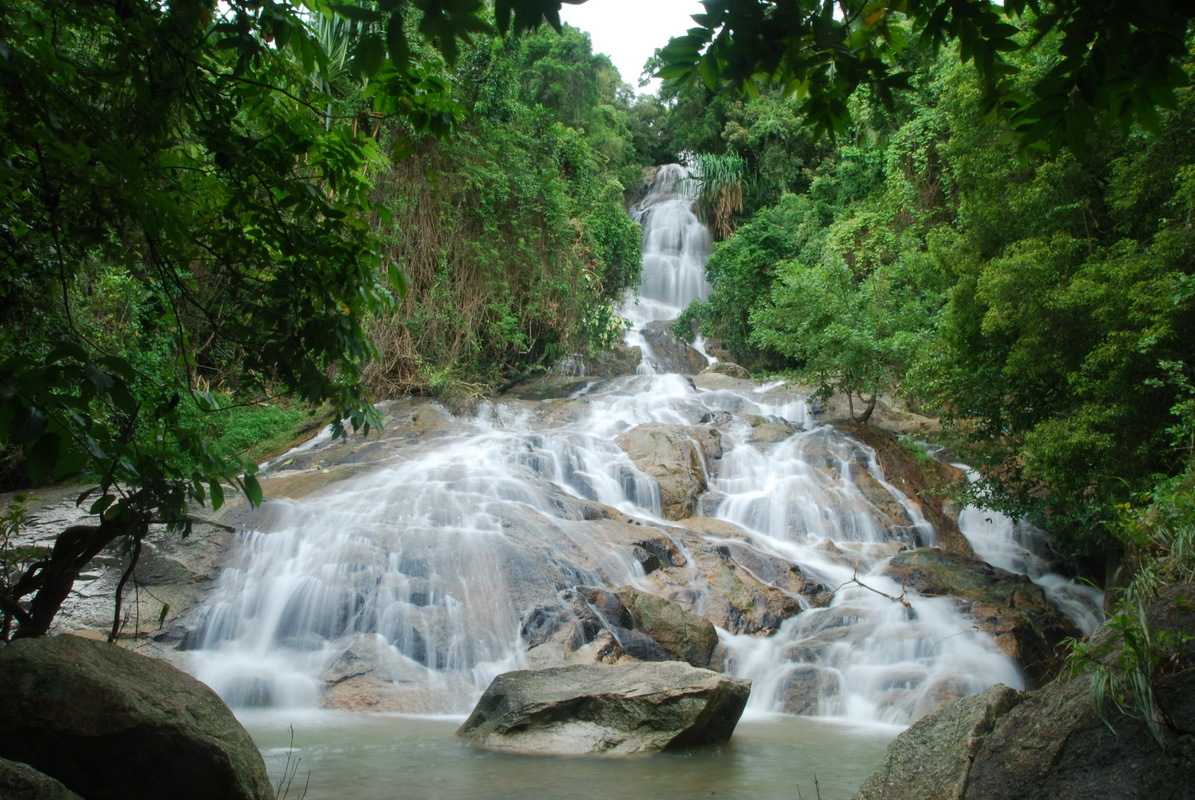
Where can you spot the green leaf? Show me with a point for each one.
(101, 504)
(396, 43)
(252, 490)
(356, 13)
(398, 280)
(217, 494)
(371, 54)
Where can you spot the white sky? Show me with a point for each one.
(629, 31)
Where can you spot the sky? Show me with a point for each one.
(629, 31)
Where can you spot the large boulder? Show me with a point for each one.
(618, 360)
(109, 724)
(22, 782)
(677, 457)
(1056, 743)
(734, 584)
(932, 759)
(1010, 608)
(668, 353)
(679, 632)
(614, 627)
(613, 710)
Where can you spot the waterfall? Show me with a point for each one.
(444, 552)
(1018, 546)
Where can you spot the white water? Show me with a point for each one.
(676, 246)
(440, 554)
(1017, 546)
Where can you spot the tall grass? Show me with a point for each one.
(721, 180)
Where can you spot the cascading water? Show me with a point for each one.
(440, 554)
(1017, 546)
(675, 247)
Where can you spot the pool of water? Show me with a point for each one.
(356, 757)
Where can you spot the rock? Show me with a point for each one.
(922, 479)
(716, 349)
(551, 386)
(668, 353)
(932, 759)
(1055, 743)
(769, 430)
(729, 368)
(1010, 608)
(803, 689)
(683, 635)
(732, 583)
(111, 724)
(612, 363)
(611, 710)
(716, 381)
(677, 457)
(22, 782)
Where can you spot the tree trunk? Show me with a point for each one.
(52, 579)
(866, 415)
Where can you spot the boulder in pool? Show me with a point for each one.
(110, 724)
(23, 782)
(606, 710)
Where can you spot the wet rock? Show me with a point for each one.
(669, 353)
(730, 369)
(612, 363)
(931, 760)
(609, 710)
(677, 457)
(769, 430)
(732, 583)
(716, 381)
(684, 636)
(1009, 607)
(551, 387)
(803, 689)
(111, 724)
(22, 782)
(925, 481)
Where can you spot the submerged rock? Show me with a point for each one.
(677, 457)
(1010, 608)
(1055, 743)
(112, 724)
(611, 710)
(22, 782)
(669, 353)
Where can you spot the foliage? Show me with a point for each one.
(819, 318)
(721, 178)
(512, 234)
(1118, 59)
(1041, 303)
(186, 193)
(1160, 534)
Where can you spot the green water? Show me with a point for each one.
(358, 757)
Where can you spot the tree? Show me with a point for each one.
(189, 147)
(1120, 59)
